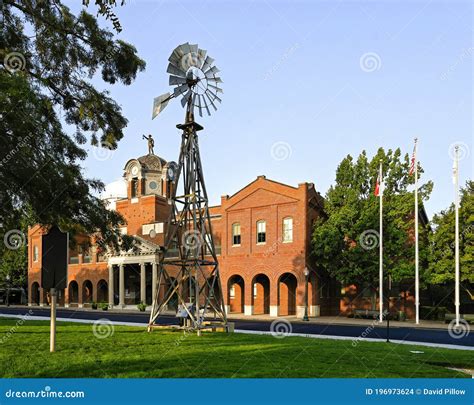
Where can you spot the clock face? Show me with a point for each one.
(153, 185)
(170, 173)
(134, 170)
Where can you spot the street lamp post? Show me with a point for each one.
(306, 275)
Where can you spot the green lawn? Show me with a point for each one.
(132, 352)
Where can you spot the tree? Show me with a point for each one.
(442, 263)
(345, 244)
(49, 58)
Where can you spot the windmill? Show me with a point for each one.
(188, 271)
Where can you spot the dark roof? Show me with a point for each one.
(152, 162)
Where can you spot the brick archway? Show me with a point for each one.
(35, 293)
(102, 291)
(287, 285)
(261, 294)
(73, 293)
(87, 292)
(236, 294)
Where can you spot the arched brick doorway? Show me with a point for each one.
(35, 293)
(73, 293)
(235, 294)
(261, 294)
(102, 291)
(287, 284)
(87, 292)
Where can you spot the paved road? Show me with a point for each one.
(412, 334)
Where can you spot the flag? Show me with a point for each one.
(378, 187)
(413, 161)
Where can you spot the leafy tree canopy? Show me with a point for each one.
(346, 243)
(49, 57)
(442, 261)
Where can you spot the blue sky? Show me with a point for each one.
(320, 79)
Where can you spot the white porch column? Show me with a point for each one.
(154, 280)
(142, 283)
(121, 286)
(111, 285)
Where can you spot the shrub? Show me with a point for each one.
(94, 305)
(104, 306)
(141, 307)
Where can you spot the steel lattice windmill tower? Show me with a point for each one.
(188, 267)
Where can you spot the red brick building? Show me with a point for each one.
(262, 232)
(262, 235)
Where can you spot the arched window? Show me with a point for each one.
(287, 230)
(261, 232)
(236, 238)
(35, 253)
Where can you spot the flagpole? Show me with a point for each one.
(456, 204)
(381, 244)
(417, 272)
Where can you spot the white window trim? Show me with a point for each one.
(261, 221)
(234, 234)
(283, 231)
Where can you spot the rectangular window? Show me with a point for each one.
(255, 290)
(35, 253)
(236, 238)
(287, 230)
(134, 190)
(232, 292)
(261, 232)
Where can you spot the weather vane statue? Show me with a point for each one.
(188, 267)
(151, 144)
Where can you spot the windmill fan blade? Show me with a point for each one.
(215, 88)
(205, 105)
(199, 105)
(193, 48)
(202, 57)
(214, 97)
(207, 63)
(210, 100)
(211, 72)
(159, 103)
(175, 70)
(185, 98)
(186, 48)
(176, 80)
(180, 89)
(215, 79)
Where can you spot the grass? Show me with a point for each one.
(132, 352)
